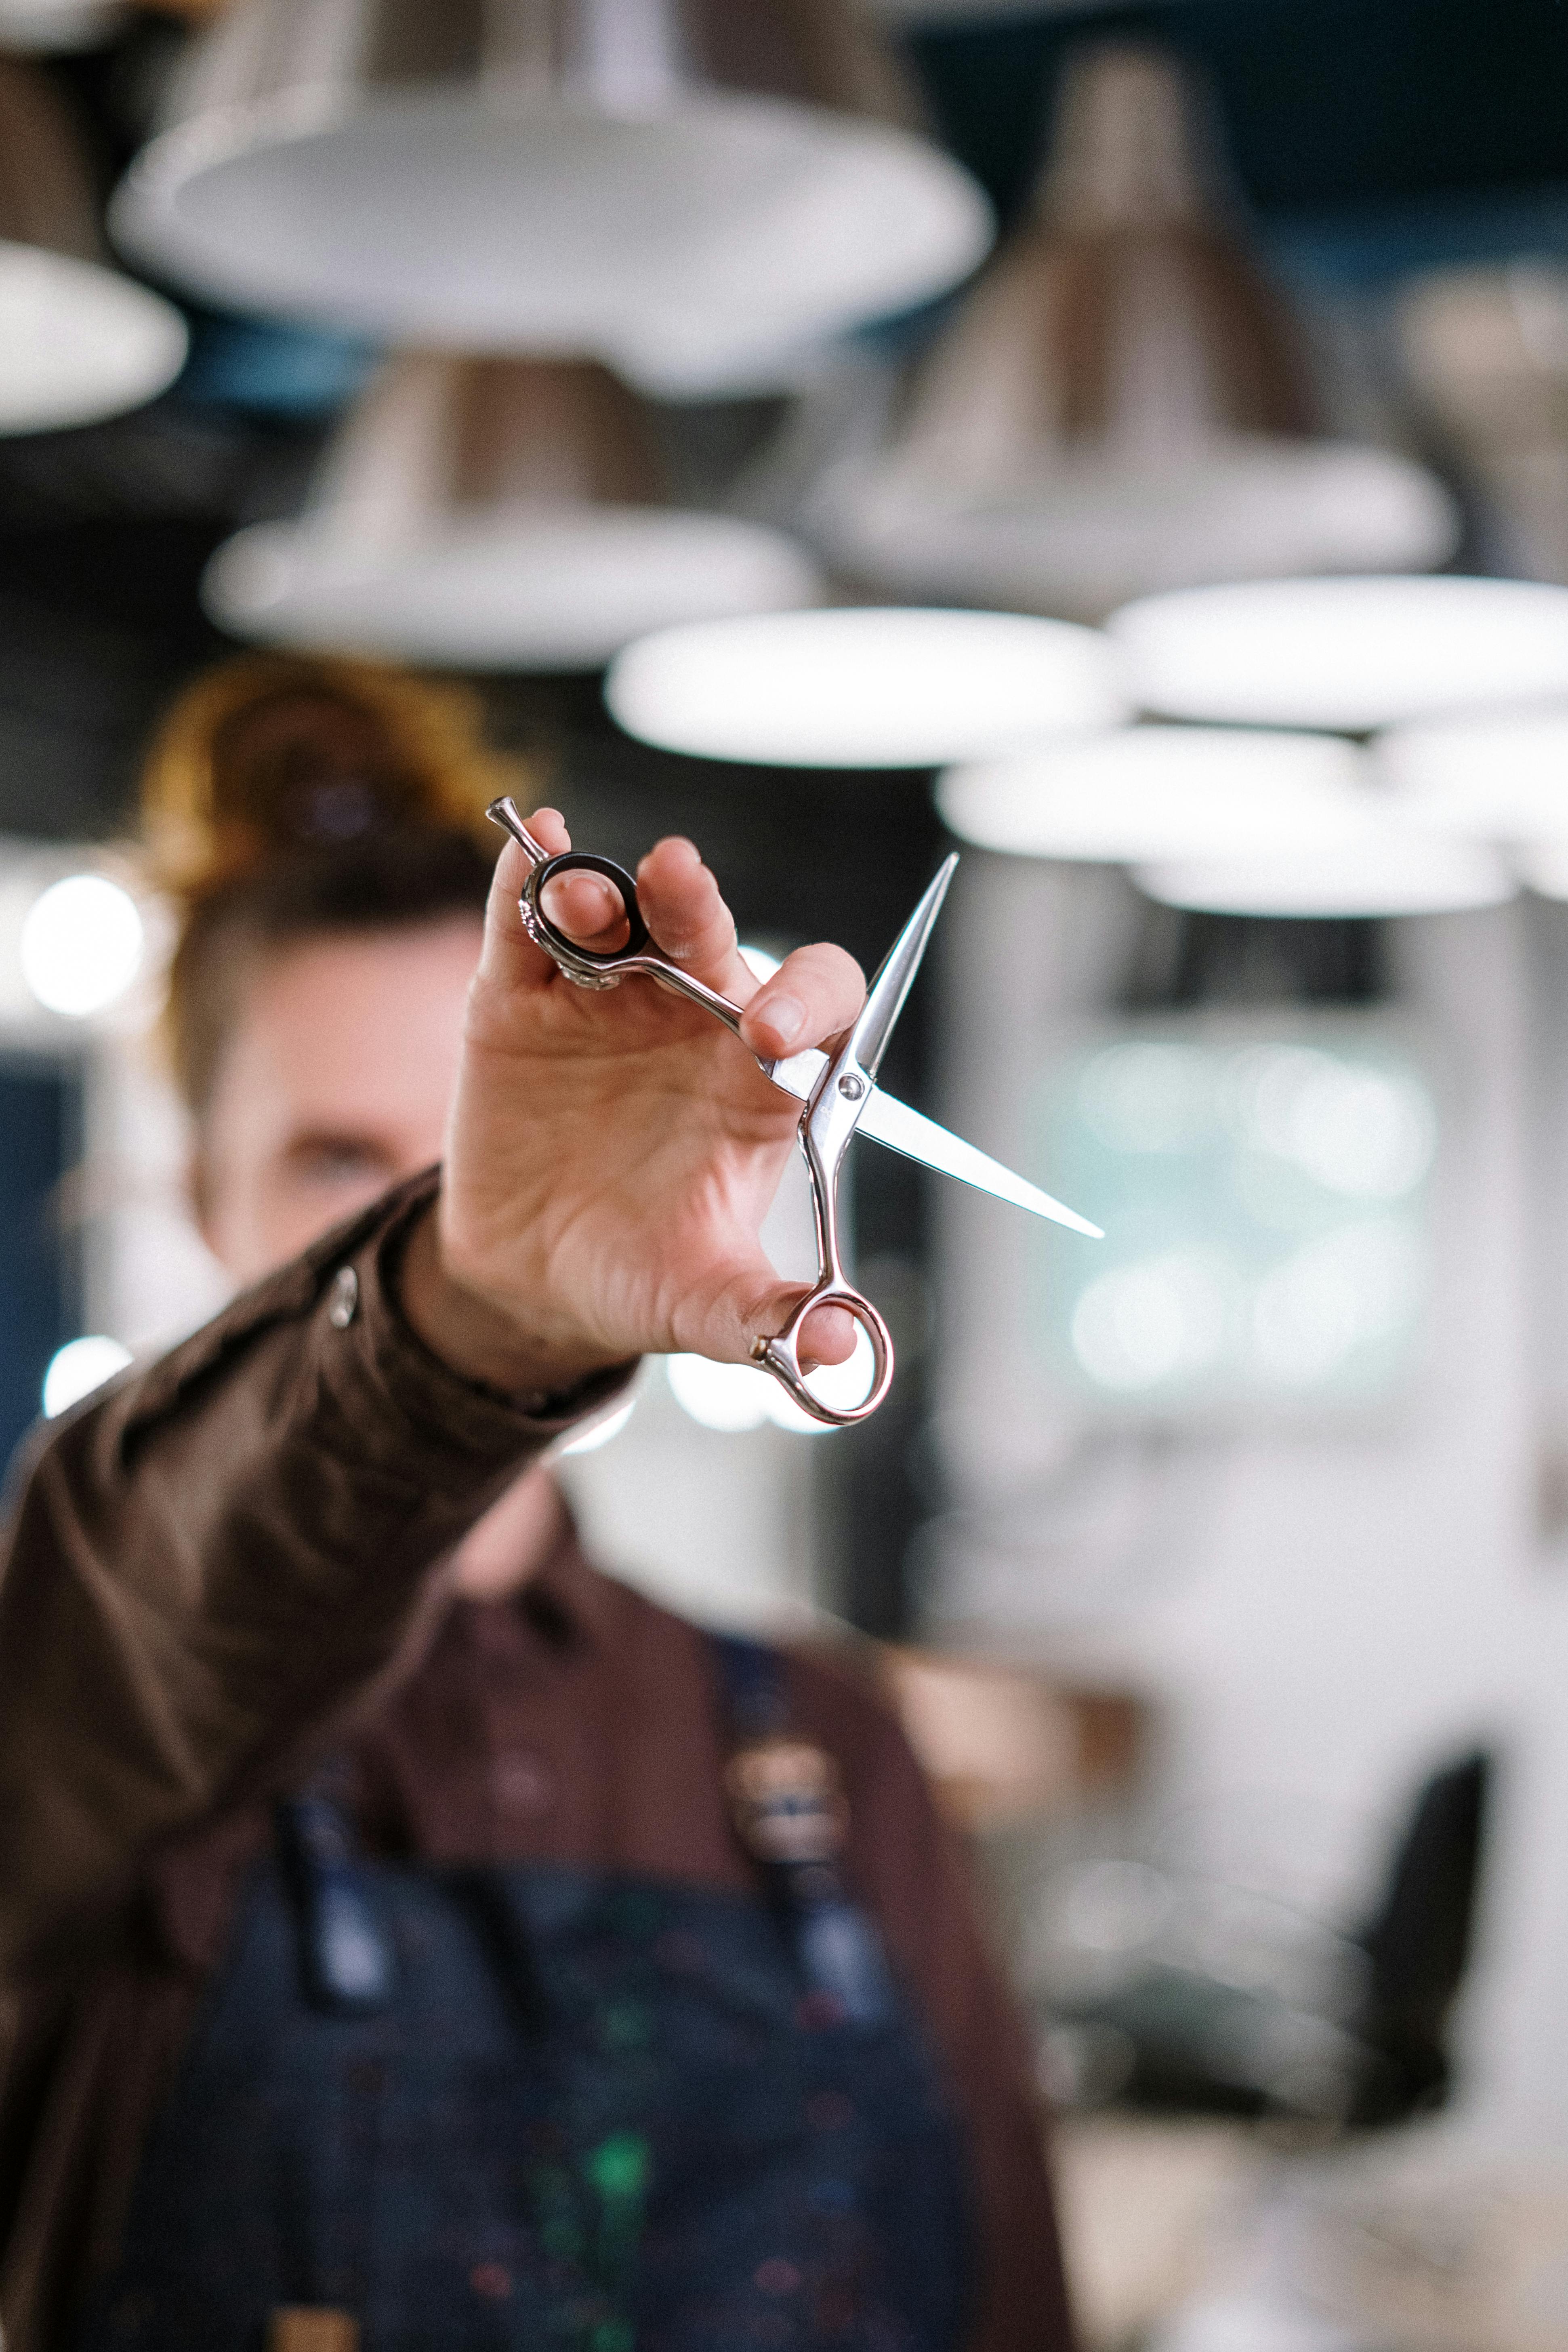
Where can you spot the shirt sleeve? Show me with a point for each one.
(215, 1557)
(909, 1868)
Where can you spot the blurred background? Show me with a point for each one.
(1131, 442)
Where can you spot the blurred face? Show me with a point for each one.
(335, 1085)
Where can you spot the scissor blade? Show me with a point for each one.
(888, 1120)
(885, 997)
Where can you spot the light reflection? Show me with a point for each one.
(1148, 1097)
(1353, 1130)
(1357, 1286)
(1143, 1326)
(79, 1367)
(735, 1397)
(728, 1397)
(1267, 1198)
(81, 945)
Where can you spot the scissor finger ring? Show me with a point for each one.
(781, 1355)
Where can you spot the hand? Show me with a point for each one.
(612, 1153)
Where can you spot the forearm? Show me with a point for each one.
(218, 1556)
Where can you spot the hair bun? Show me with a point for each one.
(272, 755)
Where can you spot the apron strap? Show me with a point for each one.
(345, 1953)
(787, 1802)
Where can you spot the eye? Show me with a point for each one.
(339, 1160)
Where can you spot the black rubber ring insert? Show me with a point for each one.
(583, 861)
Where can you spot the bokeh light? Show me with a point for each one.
(735, 1397)
(79, 1367)
(81, 945)
(1163, 792)
(864, 688)
(1264, 1201)
(728, 1397)
(1352, 654)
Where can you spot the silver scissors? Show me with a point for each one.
(839, 1094)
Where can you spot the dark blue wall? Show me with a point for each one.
(40, 1124)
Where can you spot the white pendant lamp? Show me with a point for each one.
(78, 342)
(58, 26)
(1159, 792)
(1503, 778)
(695, 191)
(1352, 654)
(1486, 350)
(1393, 870)
(1121, 403)
(1486, 353)
(1543, 868)
(864, 687)
(504, 514)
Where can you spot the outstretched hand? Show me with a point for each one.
(612, 1154)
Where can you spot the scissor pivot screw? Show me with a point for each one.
(851, 1088)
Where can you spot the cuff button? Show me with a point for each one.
(342, 1299)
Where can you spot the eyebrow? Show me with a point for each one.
(322, 1142)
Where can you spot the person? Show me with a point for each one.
(411, 1936)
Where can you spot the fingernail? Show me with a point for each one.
(786, 1018)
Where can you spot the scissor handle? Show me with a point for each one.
(569, 952)
(781, 1355)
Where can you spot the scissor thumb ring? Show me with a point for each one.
(781, 1355)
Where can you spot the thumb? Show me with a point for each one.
(753, 1305)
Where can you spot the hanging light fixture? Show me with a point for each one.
(1543, 868)
(1392, 870)
(1503, 778)
(1120, 403)
(495, 514)
(40, 27)
(1352, 654)
(1155, 793)
(78, 341)
(1486, 351)
(864, 688)
(695, 191)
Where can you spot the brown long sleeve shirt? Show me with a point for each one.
(229, 1563)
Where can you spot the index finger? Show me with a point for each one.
(816, 993)
(684, 912)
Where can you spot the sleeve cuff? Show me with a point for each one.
(384, 1363)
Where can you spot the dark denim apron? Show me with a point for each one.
(545, 2107)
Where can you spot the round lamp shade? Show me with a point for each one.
(522, 590)
(1083, 536)
(78, 342)
(1391, 871)
(865, 688)
(59, 26)
(1348, 653)
(1159, 792)
(495, 514)
(696, 194)
(1120, 403)
(1503, 778)
(1543, 868)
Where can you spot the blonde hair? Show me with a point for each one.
(206, 817)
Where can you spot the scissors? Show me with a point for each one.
(838, 1092)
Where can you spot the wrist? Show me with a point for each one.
(477, 1337)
